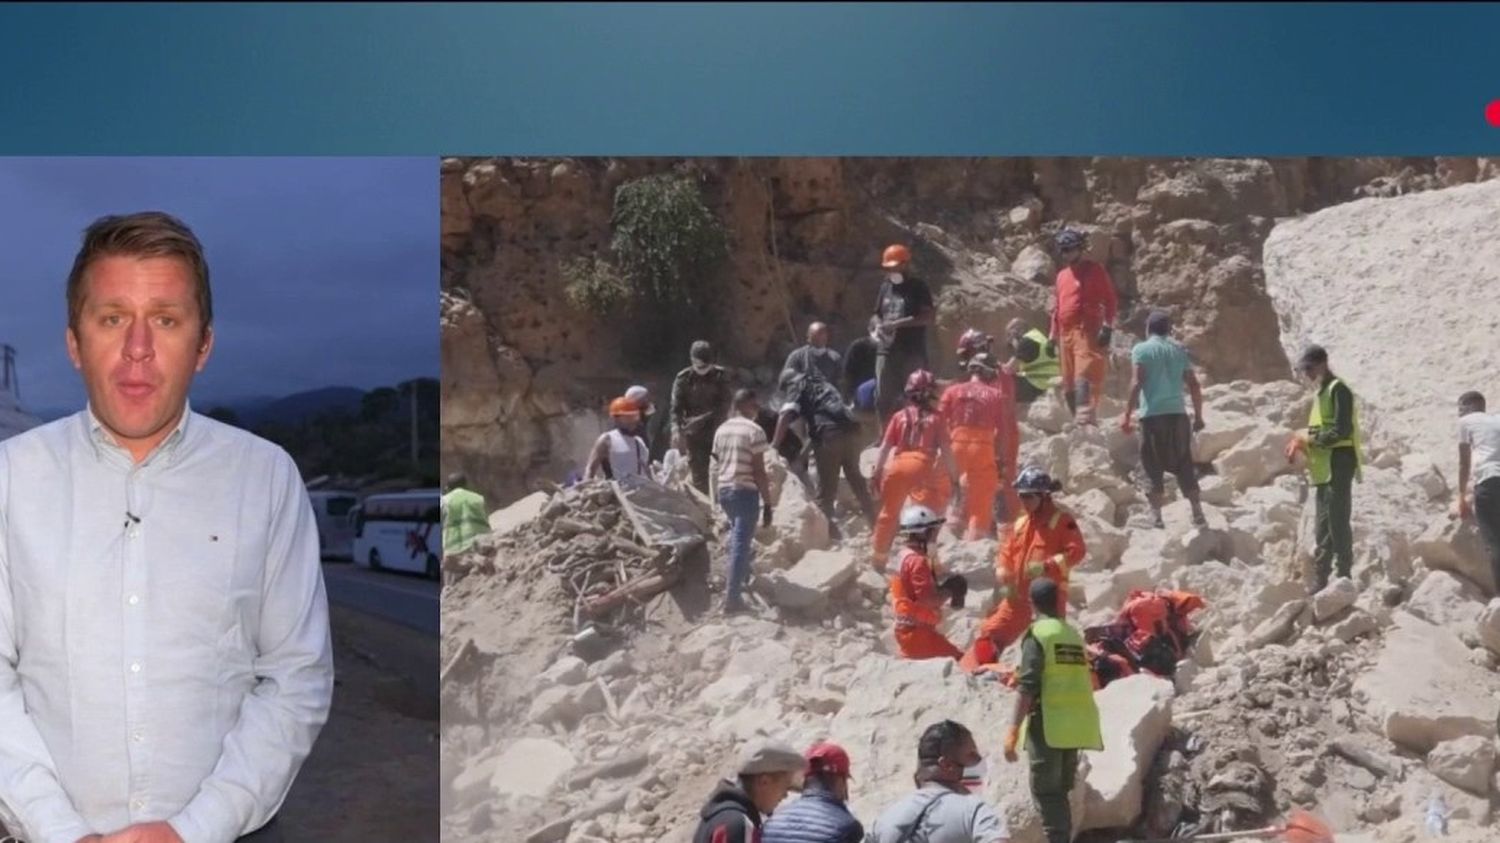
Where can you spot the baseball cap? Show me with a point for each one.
(770, 756)
(826, 757)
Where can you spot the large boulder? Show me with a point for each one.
(889, 703)
(1465, 762)
(1337, 596)
(505, 520)
(1424, 690)
(1256, 459)
(1449, 544)
(1221, 432)
(810, 583)
(1446, 600)
(1419, 470)
(1136, 715)
(1105, 542)
(798, 521)
(530, 767)
(1489, 626)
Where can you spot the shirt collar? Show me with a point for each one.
(103, 441)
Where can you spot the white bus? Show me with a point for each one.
(334, 512)
(401, 531)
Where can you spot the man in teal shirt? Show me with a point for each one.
(1162, 368)
(464, 518)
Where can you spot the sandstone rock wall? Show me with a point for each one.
(525, 374)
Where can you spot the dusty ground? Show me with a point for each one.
(373, 774)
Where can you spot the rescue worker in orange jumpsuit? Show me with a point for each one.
(1044, 542)
(978, 415)
(916, 595)
(1083, 315)
(922, 467)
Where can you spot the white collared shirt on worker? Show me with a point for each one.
(164, 642)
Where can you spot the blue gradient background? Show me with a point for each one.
(680, 79)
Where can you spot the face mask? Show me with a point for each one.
(895, 277)
(974, 776)
(700, 367)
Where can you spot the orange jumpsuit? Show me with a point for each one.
(979, 418)
(1085, 302)
(914, 472)
(913, 593)
(1048, 544)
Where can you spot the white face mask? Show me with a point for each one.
(895, 277)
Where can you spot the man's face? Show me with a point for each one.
(139, 341)
(1031, 501)
(1312, 372)
(1072, 255)
(817, 336)
(770, 789)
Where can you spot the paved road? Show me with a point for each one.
(406, 599)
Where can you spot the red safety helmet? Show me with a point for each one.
(624, 408)
(974, 340)
(828, 758)
(895, 256)
(919, 382)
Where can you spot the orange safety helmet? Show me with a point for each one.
(624, 407)
(894, 256)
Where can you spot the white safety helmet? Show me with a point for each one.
(918, 519)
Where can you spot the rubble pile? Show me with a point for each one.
(1367, 703)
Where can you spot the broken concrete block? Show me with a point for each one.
(1256, 458)
(1449, 544)
(1356, 625)
(530, 767)
(1465, 762)
(1337, 596)
(568, 670)
(1489, 626)
(797, 520)
(1221, 432)
(810, 582)
(1278, 627)
(1106, 543)
(1139, 716)
(728, 692)
(1424, 689)
(1446, 600)
(523, 511)
(1213, 489)
(1418, 469)
(1093, 504)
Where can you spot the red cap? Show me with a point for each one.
(828, 758)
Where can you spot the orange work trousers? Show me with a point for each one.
(1005, 626)
(1008, 478)
(974, 451)
(925, 642)
(1082, 358)
(913, 474)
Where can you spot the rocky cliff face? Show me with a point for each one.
(525, 373)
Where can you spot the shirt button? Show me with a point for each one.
(137, 735)
(134, 599)
(138, 804)
(135, 667)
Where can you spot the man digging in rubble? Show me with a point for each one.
(739, 447)
(918, 437)
(700, 403)
(941, 810)
(833, 435)
(1479, 457)
(620, 454)
(917, 597)
(1045, 542)
(980, 416)
(1083, 316)
(1033, 364)
(1055, 714)
(904, 307)
(821, 815)
(1331, 443)
(1161, 370)
(735, 812)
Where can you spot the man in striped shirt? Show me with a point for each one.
(739, 447)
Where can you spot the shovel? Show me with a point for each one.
(1300, 827)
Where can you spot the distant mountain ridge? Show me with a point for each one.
(295, 408)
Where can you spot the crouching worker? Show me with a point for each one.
(1055, 713)
(917, 597)
(735, 812)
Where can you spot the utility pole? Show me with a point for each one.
(415, 464)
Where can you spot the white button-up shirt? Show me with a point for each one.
(164, 642)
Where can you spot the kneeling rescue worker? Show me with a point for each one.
(1055, 713)
(916, 595)
(923, 467)
(1044, 542)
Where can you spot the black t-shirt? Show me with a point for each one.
(791, 443)
(819, 404)
(898, 301)
(1026, 350)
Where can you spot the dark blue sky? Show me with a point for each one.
(324, 270)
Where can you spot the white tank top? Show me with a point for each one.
(627, 456)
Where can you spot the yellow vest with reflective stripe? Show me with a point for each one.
(1070, 718)
(1044, 369)
(1319, 457)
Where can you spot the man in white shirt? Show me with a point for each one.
(1479, 457)
(165, 658)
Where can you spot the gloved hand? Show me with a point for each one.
(1012, 735)
(1197, 423)
(957, 588)
(765, 515)
(1106, 334)
(1036, 568)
